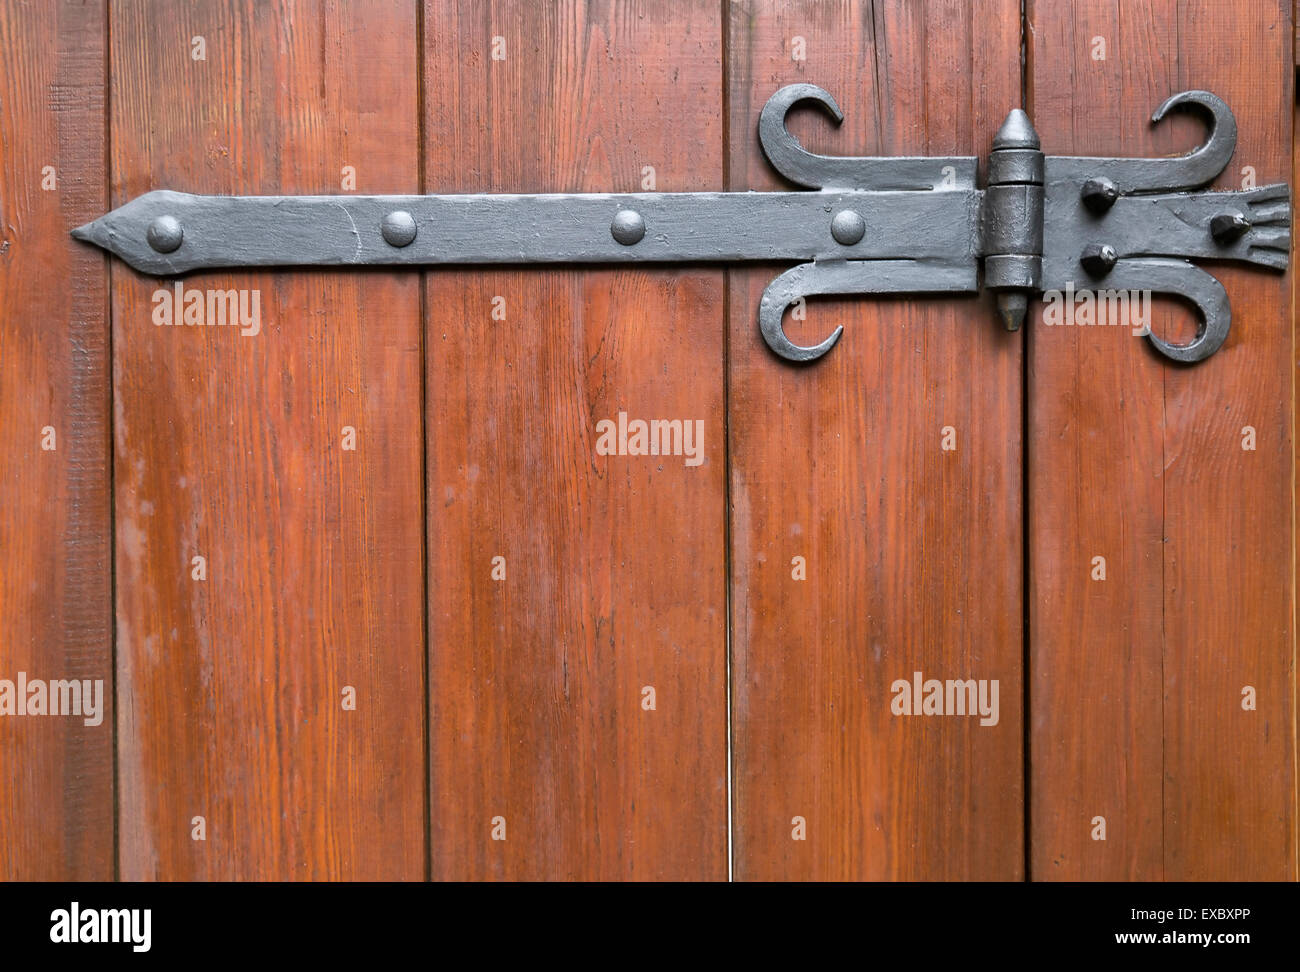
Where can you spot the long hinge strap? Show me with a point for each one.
(864, 226)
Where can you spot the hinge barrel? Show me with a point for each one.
(1012, 219)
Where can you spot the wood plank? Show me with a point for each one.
(230, 447)
(913, 553)
(614, 564)
(1095, 713)
(56, 791)
(1137, 680)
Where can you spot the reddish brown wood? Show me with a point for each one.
(56, 786)
(1136, 691)
(614, 565)
(230, 447)
(913, 553)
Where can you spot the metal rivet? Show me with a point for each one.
(1227, 228)
(165, 234)
(848, 227)
(398, 228)
(1099, 194)
(628, 227)
(1098, 258)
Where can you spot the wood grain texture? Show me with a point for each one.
(56, 787)
(913, 553)
(1136, 689)
(230, 447)
(614, 565)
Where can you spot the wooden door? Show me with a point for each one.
(368, 600)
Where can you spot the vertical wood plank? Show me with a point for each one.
(230, 447)
(1095, 646)
(1137, 705)
(613, 565)
(912, 553)
(56, 790)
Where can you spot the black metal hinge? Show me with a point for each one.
(890, 225)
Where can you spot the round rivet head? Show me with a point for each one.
(1098, 258)
(165, 234)
(848, 227)
(628, 227)
(398, 228)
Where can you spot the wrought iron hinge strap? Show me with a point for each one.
(864, 225)
(667, 227)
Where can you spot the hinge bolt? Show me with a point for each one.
(398, 228)
(165, 234)
(1099, 195)
(628, 227)
(1227, 228)
(848, 227)
(1098, 258)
